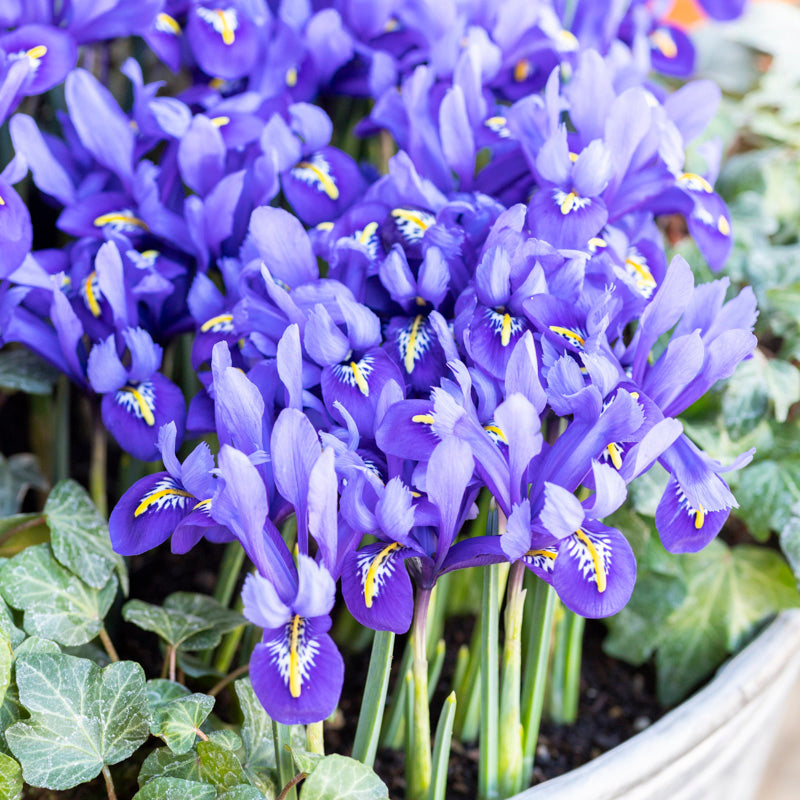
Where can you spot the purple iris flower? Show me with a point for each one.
(137, 400)
(173, 503)
(590, 565)
(375, 583)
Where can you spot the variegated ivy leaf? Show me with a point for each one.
(168, 788)
(10, 778)
(20, 531)
(10, 709)
(79, 536)
(259, 745)
(21, 370)
(245, 793)
(220, 766)
(6, 660)
(340, 778)
(305, 761)
(222, 619)
(162, 762)
(178, 721)
(7, 626)
(187, 621)
(18, 473)
(57, 604)
(82, 718)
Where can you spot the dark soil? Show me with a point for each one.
(616, 702)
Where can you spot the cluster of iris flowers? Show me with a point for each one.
(495, 312)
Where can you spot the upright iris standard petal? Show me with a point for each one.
(16, 232)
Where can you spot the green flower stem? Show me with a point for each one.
(231, 566)
(370, 717)
(419, 756)
(283, 758)
(510, 741)
(468, 689)
(487, 760)
(315, 738)
(540, 614)
(226, 651)
(572, 667)
(461, 667)
(441, 748)
(395, 726)
(435, 670)
(97, 465)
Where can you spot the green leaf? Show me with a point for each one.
(82, 718)
(207, 608)
(767, 495)
(189, 621)
(220, 766)
(6, 660)
(195, 667)
(259, 746)
(7, 626)
(178, 721)
(227, 738)
(20, 531)
(23, 371)
(790, 540)
(174, 627)
(244, 792)
(10, 712)
(161, 691)
(167, 788)
(305, 761)
(10, 778)
(57, 604)
(79, 536)
(163, 762)
(340, 778)
(18, 473)
(729, 591)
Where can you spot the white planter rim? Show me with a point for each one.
(773, 656)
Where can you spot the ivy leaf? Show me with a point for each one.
(7, 626)
(729, 591)
(23, 371)
(18, 473)
(163, 762)
(340, 778)
(186, 620)
(790, 540)
(207, 608)
(168, 788)
(305, 761)
(245, 792)
(10, 778)
(79, 536)
(20, 531)
(174, 627)
(57, 604)
(259, 745)
(6, 660)
(767, 496)
(220, 766)
(161, 691)
(178, 721)
(82, 718)
(227, 738)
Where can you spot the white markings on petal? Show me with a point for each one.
(592, 551)
(412, 223)
(294, 654)
(165, 494)
(355, 373)
(375, 570)
(316, 172)
(139, 400)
